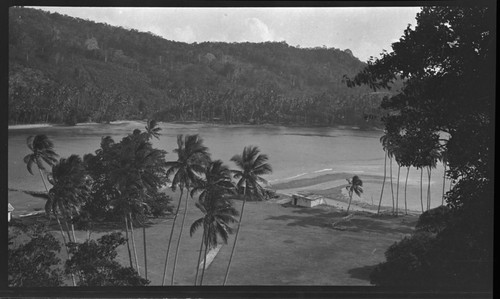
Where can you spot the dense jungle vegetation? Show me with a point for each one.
(67, 70)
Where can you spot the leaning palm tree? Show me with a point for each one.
(42, 152)
(192, 155)
(252, 165)
(218, 214)
(355, 186)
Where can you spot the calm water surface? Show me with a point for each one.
(293, 152)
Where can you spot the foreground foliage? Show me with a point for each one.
(94, 263)
(446, 109)
(33, 263)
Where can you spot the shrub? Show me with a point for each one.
(34, 263)
(93, 262)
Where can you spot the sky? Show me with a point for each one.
(366, 31)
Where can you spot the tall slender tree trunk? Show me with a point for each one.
(406, 184)
(67, 230)
(72, 227)
(444, 182)
(392, 189)
(128, 244)
(145, 250)
(350, 199)
(204, 259)
(397, 192)
(170, 238)
(421, 191)
(133, 244)
(180, 237)
(236, 236)
(66, 247)
(429, 173)
(383, 183)
(199, 258)
(60, 226)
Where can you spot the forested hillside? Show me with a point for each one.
(67, 70)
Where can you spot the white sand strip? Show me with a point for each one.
(210, 256)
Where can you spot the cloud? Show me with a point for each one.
(257, 31)
(183, 34)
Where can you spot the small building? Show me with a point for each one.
(307, 200)
(11, 208)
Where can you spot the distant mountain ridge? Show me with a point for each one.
(66, 70)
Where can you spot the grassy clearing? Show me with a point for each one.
(279, 244)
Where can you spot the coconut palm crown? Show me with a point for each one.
(42, 151)
(252, 165)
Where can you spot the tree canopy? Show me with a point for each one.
(447, 104)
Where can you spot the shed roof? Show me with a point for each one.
(306, 196)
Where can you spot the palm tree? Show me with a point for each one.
(355, 186)
(398, 158)
(70, 189)
(390, 154)
(152, 129)
(217, 177)
(252, 165)
(217, 180)
(444, 159)
(42, 152)
(432, 159)
(217, 215)
(385, 142)
(406, 184)
(192, 156)
(135, 168)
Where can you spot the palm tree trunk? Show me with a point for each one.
(204, 259)
(392, 189)
(429, 172)
(236, 236)
(145, 251)
(350, 199)
(406, 184)
(383, 184)
(60, 226)
(444, 182)
(199, 258)
(67, 230)
(397, 192)
(171, 235)
(180, 237)
(421, 192)
(66, 247)
(43, 180)
(128, 245)
(133, 243)
(72, 228)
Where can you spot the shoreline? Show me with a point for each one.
(194, 122)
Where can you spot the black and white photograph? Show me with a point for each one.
(250, 146)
